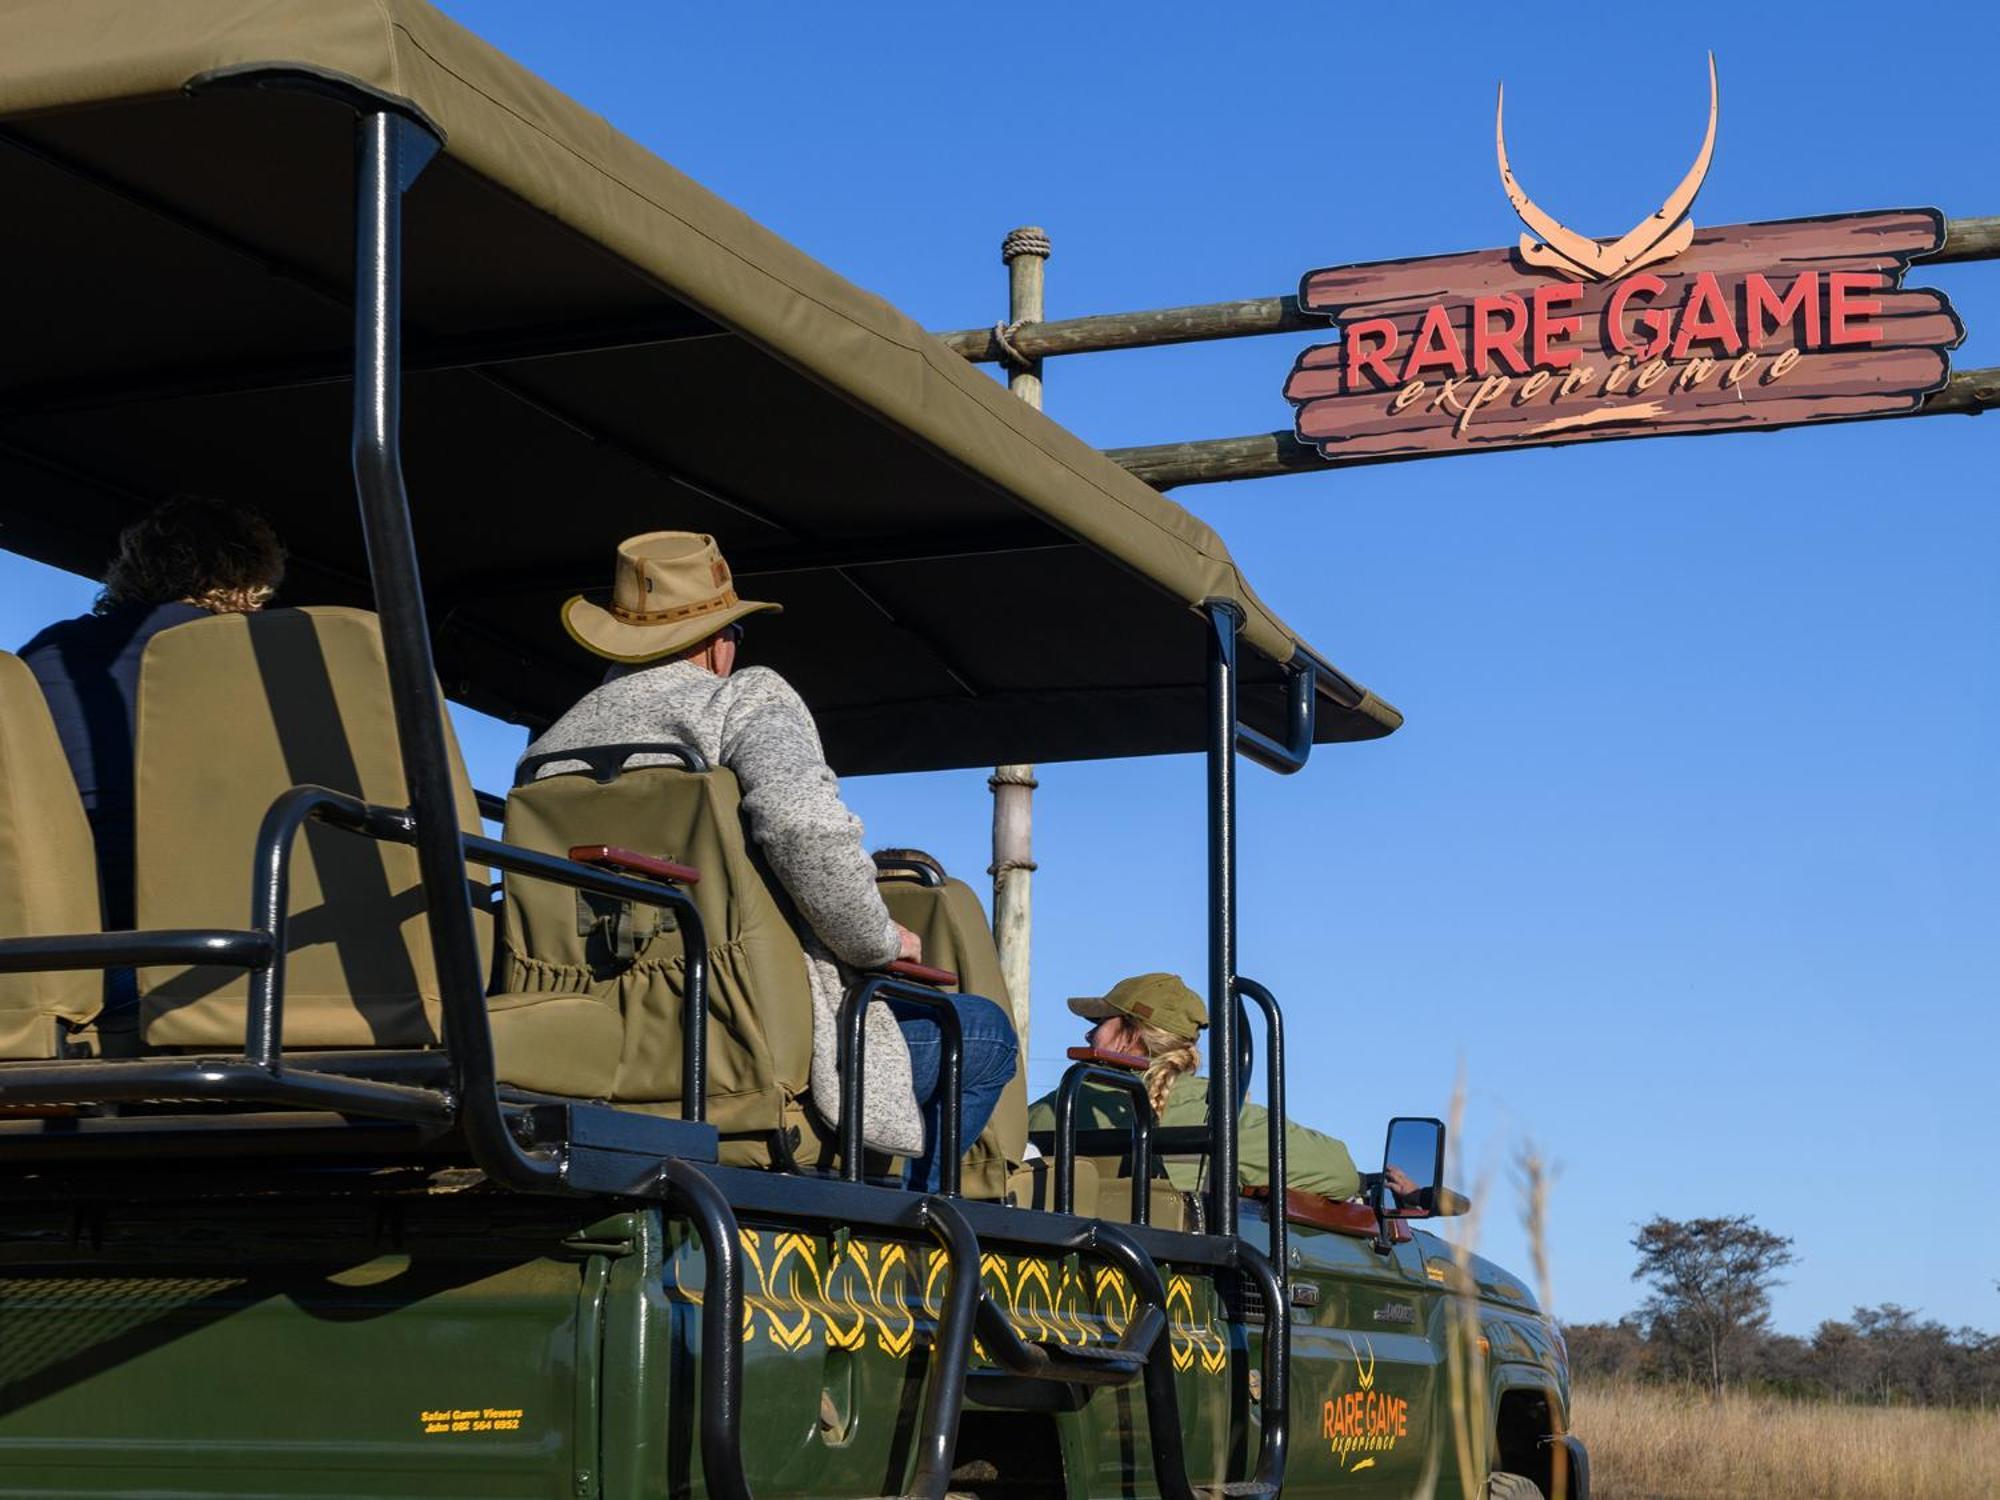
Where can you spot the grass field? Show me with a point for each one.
(1648, 1443)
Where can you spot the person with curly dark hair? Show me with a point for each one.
(187, 559)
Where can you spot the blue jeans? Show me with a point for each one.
(991, 1055)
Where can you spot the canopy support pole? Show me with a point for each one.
(1025, 253)
(391, 150)
(1224, 1010)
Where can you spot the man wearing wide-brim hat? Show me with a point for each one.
(1152, 1024)
(672, 630)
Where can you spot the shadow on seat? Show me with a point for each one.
(48, 871)
(234, 711)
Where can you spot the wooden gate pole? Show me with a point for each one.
(1025, 253)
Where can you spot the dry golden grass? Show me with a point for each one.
(1649, 1443)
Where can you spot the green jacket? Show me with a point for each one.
(1314, 1162)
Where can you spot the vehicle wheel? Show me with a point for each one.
(1512, 1487)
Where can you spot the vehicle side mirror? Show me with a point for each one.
(1412, 1169)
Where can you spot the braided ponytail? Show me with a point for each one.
(1170, 1056)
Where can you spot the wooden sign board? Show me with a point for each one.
(1749, 326)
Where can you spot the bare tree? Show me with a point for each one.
(1711, 1281)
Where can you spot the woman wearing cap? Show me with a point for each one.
(1156, 1020)
(671, 632)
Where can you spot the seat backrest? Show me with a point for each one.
(760, 1000)
(1167, 1206)
(949, 919)
(48, 869)
(235, 710)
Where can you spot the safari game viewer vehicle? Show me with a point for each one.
(422, 1185)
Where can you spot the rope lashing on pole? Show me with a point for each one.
(1029, 239)
(1025, 252)
(1022, 776)
(1003, 339)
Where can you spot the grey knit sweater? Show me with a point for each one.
(756, 725)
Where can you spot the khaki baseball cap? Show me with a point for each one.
(671, 590)
(1160, 1000)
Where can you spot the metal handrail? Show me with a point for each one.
(271, 878)
(944, 1390)
(606, 763)
(1301, 716)
(1163, 1412)
(1274, 1442)
(1073, 1080)
(222, 946)
(1275, 1117)
(925, 874)
(231, 1079)
(853, 1059)
(721, 1326)
(1060, 1363)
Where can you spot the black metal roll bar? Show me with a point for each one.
(235, 1080)
(1225, 619)
(1301, 713)
(1081, 1366)
(1274, 1440)
(221, 946)
(271, 881)
(1142, 1350)
(853, 1058)
(944, 1392)
(391, 150)
(1275, 1121)
(689, 1192)
(1141, 1136)
(1163, 1412)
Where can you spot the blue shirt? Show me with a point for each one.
(89, 671)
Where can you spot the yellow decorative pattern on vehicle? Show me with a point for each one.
(846, 1292)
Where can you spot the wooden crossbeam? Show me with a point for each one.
(1965, 239)
(1263, 455)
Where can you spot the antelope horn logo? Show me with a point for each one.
(1659, 236)
(1364, 1375)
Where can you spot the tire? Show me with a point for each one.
(1501, 1486)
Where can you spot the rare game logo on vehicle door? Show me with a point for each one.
(1667, 329)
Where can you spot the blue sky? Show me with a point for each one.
(1687, 851)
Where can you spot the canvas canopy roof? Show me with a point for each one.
(595, 346)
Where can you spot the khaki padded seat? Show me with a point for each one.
(235, 710)
(952, 924)
(759, 999)
(48, 870)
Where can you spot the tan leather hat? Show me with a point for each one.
(672, 590)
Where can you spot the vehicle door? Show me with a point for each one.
(1367, 1353)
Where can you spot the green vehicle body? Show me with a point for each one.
(479, 1344)
(333, 1270)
